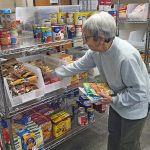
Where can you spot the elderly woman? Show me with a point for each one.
(121, 66)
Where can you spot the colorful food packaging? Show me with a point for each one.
(61, 123)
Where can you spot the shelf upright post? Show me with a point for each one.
(147, 42)
(117, 18)
(26, 1)
(6, 102)
(15, 4)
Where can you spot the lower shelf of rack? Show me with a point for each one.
(76, 129)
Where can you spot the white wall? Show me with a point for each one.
(10, 3)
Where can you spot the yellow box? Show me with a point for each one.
(61, 123)
(61, 17)
(78, 18)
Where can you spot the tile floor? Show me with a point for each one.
(95, 137)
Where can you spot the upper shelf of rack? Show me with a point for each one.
(28, 44)
(130, 1)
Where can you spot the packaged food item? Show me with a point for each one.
(28, 139)
(56, 31)
(37, 33)
(78, 18)
(5, 37)
(91, 116)
(21, 119)
(101, 108)
(82, 117)
(74, 109)
(46, 127)
(17, 142)
(10, 21)
(70, 18)
(71, 31)
(61, 17)
(38, 134)
(46, 34)
(78, 30)
(14, 36)
(75, 79)
(53, 18)
(61, 123)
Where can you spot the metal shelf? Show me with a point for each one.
(35, 103)
(61, 93)
(130, 1)
(29, 44)
(76, 129)
(131, 22)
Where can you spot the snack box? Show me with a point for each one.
(46, 127)
(17, 100)
(54, 63)
(61, 123)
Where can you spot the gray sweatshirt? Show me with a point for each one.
(122, 68)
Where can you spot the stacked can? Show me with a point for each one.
(70, 31)
(53, 18)
(61, 18)
(10, 21)
(58, 33)
(36, 31)
(5, 39)
(70, 18)
(46, 34)
(91, 116)
(14, 36)
(82, 117)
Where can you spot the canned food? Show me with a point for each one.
(14, 36)
(46, 34)
(82, 117)
(61, 17)
(70, 18)
(70, 31)
(5, 37)
(53, 18)
(74, 109)
(91, 116)
(78, 18)
(56, 31)
(37, 31)
(3, 20)
(78, 30)
(10, 21)
(63, 31)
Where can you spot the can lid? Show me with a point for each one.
(74, 104)
(90, 109)
(81, 109)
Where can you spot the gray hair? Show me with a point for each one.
(101, 25)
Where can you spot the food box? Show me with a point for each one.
(61, 123)
(17, 100)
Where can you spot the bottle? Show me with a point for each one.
(91, 116)
(82, 117)
(74, 109)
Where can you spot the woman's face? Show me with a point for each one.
(98, 45)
